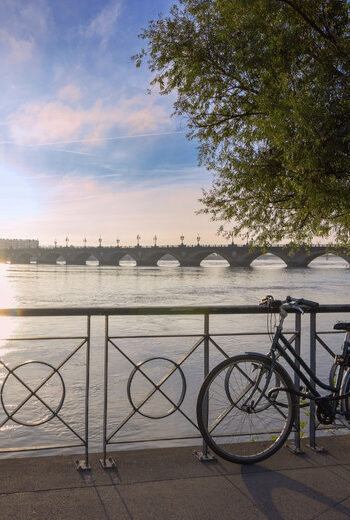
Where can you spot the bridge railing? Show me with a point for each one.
(129, 379)
(134, 246)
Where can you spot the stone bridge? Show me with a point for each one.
(187, 256)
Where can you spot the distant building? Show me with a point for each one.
(18, 243)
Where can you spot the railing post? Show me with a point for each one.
(297, 447)
(204, 455)
(83, 465)
(312, 419)
(106, 463)
(206, 372)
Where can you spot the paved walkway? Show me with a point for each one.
(171, 484)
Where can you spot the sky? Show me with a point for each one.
(85, 151)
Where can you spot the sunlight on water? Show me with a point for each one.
(7, 299)
(214, 283)
(329, 261)
(7, 295)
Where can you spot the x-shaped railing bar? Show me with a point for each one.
(164, 379)
(218, 347)
(291, 340)
(33, 393)
(155, 385)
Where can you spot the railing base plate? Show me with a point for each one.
(82, 466)
(208, 457)
(109, 463)
(293, 449)
(317, 449)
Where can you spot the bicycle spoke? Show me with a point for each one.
(243, 421)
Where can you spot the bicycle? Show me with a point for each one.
(247, 405)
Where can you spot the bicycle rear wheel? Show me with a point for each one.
(238, 418)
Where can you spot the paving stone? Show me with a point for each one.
(293, 494)
(338, 512)
(40, 473)
(58, 505)
(188, 499)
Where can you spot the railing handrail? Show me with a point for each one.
(159, 310)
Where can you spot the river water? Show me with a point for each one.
(327, 281)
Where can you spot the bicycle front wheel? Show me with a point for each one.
(245, 409)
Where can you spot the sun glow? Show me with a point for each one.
(7, 300)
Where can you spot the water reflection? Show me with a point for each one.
(127, 285)
(7, 299)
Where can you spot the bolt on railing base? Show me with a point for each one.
(204, 457)
(317, 449)
(82, 466)
(108, 463)
(294, 449)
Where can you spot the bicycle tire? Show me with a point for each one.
(345, 402)
(276, 410)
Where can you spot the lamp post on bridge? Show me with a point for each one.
(231, 235)
(55, 242)
(155, 238)
(67, 241)
(182, 238)
(138, 238)
(85, 242)
(198, 239)
(100, 242)
(118, 242)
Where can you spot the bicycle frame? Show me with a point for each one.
(283, 350)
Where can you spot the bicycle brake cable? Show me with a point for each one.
(307, 396)
(270, 321)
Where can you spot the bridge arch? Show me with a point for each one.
(167, 257)
(332, 255)
(197, 255)
(265, 256)
(214, 260)
(51, 258)
(81, 258)
(127, 257)
(155, 255)
(92, 260)
(61, 260)
(22, 258)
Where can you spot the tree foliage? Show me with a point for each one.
(264, 85)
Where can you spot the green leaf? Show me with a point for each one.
(265, 88)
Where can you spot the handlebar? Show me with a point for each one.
(302, 301)
(289, 302)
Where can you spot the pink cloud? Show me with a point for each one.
(18, 49)
(70, 93)
(43, 123)
(103, 24)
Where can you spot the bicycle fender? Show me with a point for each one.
(285, 374)
(259, 354)
(344, 389)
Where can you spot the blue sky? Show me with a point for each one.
(84, 150)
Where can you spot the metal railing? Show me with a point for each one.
(207, 341)
(50, 400)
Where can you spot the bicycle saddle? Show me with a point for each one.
(342, 325)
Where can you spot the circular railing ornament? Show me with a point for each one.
(33, 392)
(156, 388)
